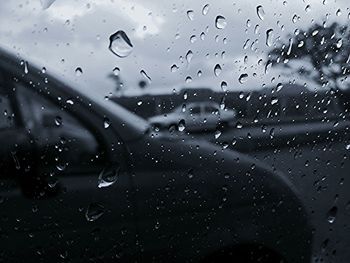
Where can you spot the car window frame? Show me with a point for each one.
(80, 106)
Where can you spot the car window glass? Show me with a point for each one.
(61, 138)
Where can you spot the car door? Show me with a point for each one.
(76, 195)
(173, 206)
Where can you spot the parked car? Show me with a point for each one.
(84, 180)
(196, 116)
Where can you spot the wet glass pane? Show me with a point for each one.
(174, 131)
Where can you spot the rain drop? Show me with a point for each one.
(106, 122)
(189, 56)
(181, 127)
(205, 9)
(25, 64)
(78, 72)
(220, 22)
(260, 12)
(243, 78)
(190, 14)
(217, 70)
(224, 86)
(120, 44)
(58, 121)
(331, 215)
(94, 212)
(268, 66)
(308, 8)
(116, 71)
(217, 134)
(269, 37)
(145, 75)
(108, 177)
(274, 101)
(193, 38)
(45, 4)
(174, 68)
(338, 13)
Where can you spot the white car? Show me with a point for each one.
(196, 116)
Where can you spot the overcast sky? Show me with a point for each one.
(62, 35)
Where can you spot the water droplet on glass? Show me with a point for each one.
(269, 37)
(25, 64)
(106, 122)
(190, 14)
(70, 102)
(217, 70)
(224, 86)
(120, 44)
(189, 56)
(61, 166)
(94, 212)
(174, 68)
(217, 134)
(268, 66)
(116, 71)
(243, 78)
(181, 126)
(239, 125)
(205, 9)
(78, 72)
(308, 8)
(290, 46)
(314, 33)
(338, 13)
(185, 95)
(145, 75)
(274, 101)
(339, 43)
(52, 181)
(331, 215)
(193, 38)
(45, 4)
(220, 22)
(43, 70)
(16, 161)
(58, 121)
(260, 12)
(108, 177)
(279, 87)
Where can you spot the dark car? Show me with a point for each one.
(84, 180)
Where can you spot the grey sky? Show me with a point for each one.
(71, 34)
